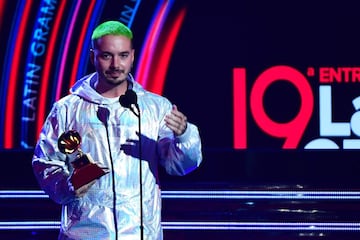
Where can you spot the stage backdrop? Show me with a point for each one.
(269, 80)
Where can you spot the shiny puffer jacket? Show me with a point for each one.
(110, 135)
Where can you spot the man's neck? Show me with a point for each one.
(111, 91)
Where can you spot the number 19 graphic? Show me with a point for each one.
(291, 131)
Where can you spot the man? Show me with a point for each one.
(115, 205)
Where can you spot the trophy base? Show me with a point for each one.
(86, 174)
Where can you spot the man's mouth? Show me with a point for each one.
(115, 73)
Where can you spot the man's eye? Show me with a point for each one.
(106, 56)
(124, 55)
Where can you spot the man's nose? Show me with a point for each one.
(116, 62)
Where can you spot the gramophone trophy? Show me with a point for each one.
(85, 169)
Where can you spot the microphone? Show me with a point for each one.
(129, 100)
(103, 115)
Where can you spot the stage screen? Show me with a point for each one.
(272, 86)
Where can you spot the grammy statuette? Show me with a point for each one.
(85, 169)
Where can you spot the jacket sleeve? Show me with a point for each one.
(182, 154)
(49, 165)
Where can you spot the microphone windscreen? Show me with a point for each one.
(128, 98)
(132, 96)
(103, 115)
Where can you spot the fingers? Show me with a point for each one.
(176, 121)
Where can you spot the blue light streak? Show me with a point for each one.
(218, 194)
(212, 225)
(283, 226)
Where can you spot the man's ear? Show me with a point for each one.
(92, 56)
(133, 57)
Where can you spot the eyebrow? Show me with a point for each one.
(122, 52)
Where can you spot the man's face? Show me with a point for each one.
(112, 57)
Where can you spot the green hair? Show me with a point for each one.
(111, 28)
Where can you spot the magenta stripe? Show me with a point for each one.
(66, 50)
(150, 42)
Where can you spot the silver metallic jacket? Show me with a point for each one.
(110, 135)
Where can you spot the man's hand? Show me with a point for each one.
(176, 121)
(83, 189)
